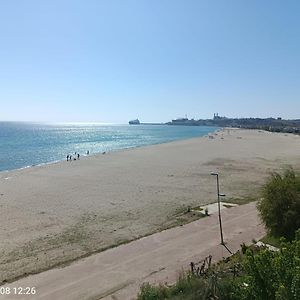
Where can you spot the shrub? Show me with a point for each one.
(280, 205)
(151, 292)
(273, 275)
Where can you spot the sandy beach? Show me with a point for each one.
(56, 213)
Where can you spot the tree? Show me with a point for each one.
(280, 206)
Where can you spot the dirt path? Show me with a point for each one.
(117, 273)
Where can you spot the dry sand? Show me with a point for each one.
(56, 213)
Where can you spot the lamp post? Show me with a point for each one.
(219, 206)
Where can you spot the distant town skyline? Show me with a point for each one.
(113, 61)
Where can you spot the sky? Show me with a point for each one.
(112, 61)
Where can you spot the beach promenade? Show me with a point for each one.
(54, 214)
(119, 272)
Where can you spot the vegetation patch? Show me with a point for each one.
(240, 200)
(183, 216)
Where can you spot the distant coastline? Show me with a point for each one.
(268, 124)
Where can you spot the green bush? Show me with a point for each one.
(280, 205)
(151, 292)
(273, 275)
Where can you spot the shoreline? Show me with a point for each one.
(82, 156)
(53, 214)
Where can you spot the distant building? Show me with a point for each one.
(180, 120)
(183, 121)
(217, 117)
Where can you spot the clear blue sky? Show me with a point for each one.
(112, 61)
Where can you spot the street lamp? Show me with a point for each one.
(219, 206)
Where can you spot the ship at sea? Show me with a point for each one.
(134, 122)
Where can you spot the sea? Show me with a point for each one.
(24, 145)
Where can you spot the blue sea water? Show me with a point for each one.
(29, 144)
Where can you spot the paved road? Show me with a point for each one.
(117, 273)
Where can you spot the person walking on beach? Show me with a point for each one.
(68, 157)
(88, 152)
(78, 156)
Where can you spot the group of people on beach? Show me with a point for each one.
(76, 156)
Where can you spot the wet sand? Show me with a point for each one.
(56, 213)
